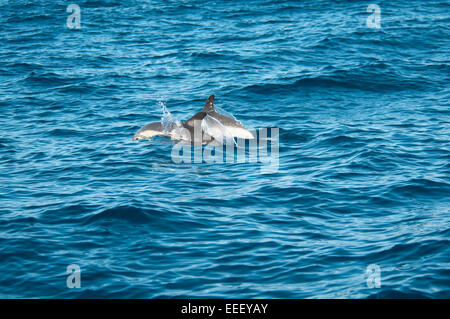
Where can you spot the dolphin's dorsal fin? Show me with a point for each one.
(209, 105)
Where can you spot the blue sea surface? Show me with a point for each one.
(364, 151)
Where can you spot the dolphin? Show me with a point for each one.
(213, 126)
(149, 130)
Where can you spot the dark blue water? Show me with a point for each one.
(364, 153)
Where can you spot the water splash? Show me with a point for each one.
(168, 121)
(171, 125)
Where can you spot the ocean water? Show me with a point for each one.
(363, 179)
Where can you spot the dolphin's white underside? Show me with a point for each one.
(213, 127)
(220, 133)
(240, 132)
(145, 134)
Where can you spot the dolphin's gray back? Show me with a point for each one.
(155, 126)
(197, 118)
(194, 124)
(225, 120)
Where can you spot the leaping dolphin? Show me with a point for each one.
(211, 125)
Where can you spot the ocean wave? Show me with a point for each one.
(353, 79)
(362, 163)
